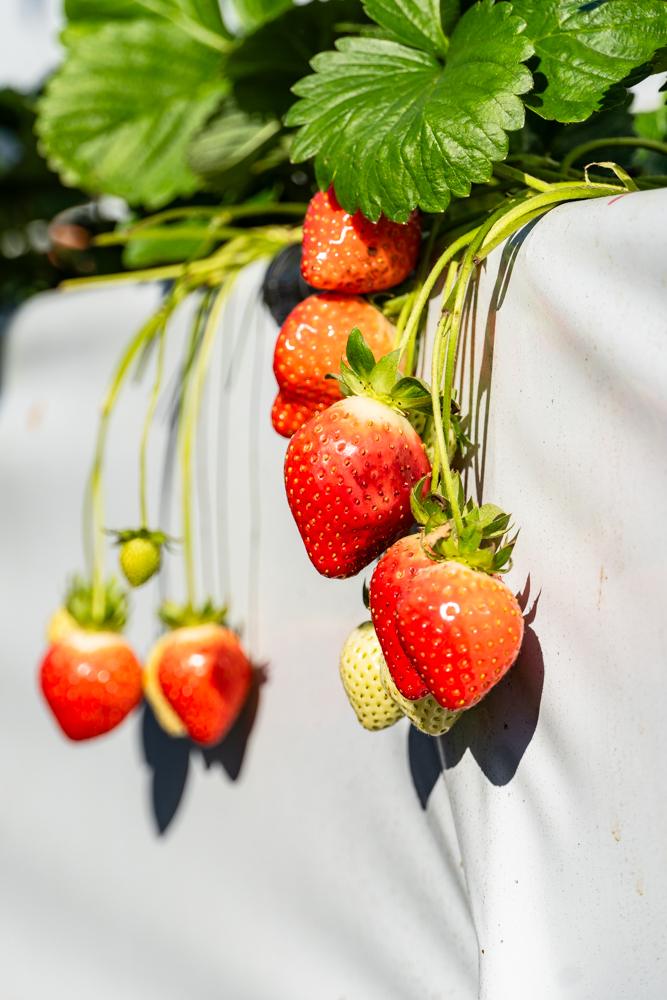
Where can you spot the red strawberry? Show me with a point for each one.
(347, 253)
(289, 412)
(310, 345)
(348, 474)
(393, 573)
(91, 681)
(462, 630)
(205, 676)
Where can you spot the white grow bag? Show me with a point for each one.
(538, 868)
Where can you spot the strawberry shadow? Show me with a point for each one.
(168, 757)
(497, 732)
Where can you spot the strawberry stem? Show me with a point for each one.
(147, 424)
(428, 285)
(191, 408)
(145, 334)
(479, 243)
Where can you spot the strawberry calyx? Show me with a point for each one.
(130, 534)
(482, 544)
(361, 375)
(79, 604)
(184, 615)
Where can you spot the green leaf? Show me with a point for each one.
(200, 18)
(267, 64)
(450, 12)
(383, 376)
(413, 22)
(119, 115)
(396, 129)
(584, 50)
(231, 139)
(359, 355)
(254, 13)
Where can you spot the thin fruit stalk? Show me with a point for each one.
(191, 405)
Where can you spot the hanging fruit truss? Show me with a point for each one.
(415, 127)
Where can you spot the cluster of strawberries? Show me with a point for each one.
(363, 257)
(444, 627)
(196, 677)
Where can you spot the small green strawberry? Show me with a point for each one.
(360, 663)
(425, 713)
(140, 553)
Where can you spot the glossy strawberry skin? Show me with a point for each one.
(348, 476)
(347, 253)
(397, 568)
(290, 412)
(205, 676)
(91, 680)
(462, 630)
(310, 345)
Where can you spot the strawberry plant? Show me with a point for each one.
(411, 139)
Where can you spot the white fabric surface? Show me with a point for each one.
(317, 875)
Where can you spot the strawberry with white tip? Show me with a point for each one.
(197, 675)
(90, 677)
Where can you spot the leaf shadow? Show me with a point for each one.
(474, 463)
(168, 757)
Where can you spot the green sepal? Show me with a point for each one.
(158, 538)
(479, 545)
(359, 355)
(383, 376)
(361, 375)
(183, 615)
(79, 603)
(413, 394)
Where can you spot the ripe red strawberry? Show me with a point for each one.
(91, 680)
(462, 630)
(289, 412)
(393, 573)
(347, 253)
(205, 676)
(348, 475)
(311, 343)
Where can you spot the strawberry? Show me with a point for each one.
(349, 471)
(90, 677)
(310, 345)
(203, 674)
(60, 625)
(140, 553)
(289, 412)
(391, 576)
(360, 665)
(461, 628)
(457, 622)
(162, 710)
(426, 714)
(347, 253)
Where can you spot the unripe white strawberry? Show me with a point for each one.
(426, 714)
(360, 662)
